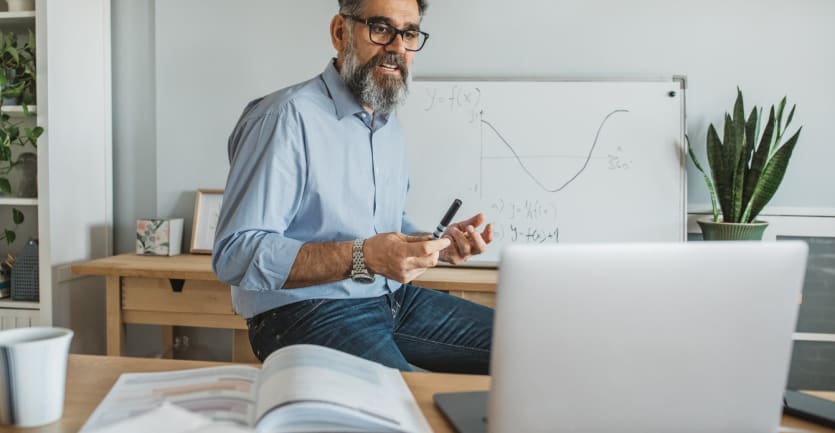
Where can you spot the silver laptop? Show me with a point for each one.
(685, 337)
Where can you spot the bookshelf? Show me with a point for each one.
(14, 313)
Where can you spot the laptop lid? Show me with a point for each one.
(685, 337)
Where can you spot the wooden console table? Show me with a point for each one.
(183, 291)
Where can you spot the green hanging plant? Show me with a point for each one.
(17, 87)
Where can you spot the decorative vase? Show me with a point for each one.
(21, 5)
(722, 231)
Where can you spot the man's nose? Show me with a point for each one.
(397, 45)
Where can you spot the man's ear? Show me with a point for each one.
(338, 33)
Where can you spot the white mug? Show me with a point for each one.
(33, 371)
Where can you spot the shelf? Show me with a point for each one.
(18, 109)
(25, 17)
(15, 201)
(21, 305)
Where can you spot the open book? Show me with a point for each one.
(300, 388)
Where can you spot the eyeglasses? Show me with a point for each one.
(384, 34)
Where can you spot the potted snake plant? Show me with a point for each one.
(746, 168)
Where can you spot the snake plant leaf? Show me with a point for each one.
(739, 108)
(732, 149)
(778, 129)
(771, 177)
(745, 134)
(751, 131)
(716, 159)
(760, 158)
(710, 188)
(738, 147)
(791, 116)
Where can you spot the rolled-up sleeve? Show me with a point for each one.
(264, 191)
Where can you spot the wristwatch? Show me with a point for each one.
(359, 272)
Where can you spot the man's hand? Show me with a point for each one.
(401, 257)
(467, 241)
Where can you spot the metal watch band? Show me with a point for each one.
(359, 272)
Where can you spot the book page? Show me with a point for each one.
(303, 384)
(224, 394)
(169, 418)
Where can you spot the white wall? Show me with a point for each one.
(134, 119)
(212, 56)
(76, 208)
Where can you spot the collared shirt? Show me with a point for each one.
(307, 164)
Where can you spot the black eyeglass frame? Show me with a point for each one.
(396, 32)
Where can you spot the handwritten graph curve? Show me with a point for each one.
(528, 171)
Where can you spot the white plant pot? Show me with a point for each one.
(21, 5)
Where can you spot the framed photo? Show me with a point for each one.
(206, 211)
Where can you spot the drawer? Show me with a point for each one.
(156, 294)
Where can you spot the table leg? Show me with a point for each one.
(167, 341)
(115, 326)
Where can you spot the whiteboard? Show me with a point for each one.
(549, 161)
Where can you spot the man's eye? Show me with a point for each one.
(410, 35)
(380, 29)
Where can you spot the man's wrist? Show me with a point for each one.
(359, 271)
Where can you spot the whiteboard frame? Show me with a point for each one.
(681, 79)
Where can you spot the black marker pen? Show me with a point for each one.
(453, 208)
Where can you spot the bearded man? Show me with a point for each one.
(313, 235)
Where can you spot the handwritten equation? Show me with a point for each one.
(618, 161)
(527, 209)
(526, 233)
(525, 221)
(459, 98)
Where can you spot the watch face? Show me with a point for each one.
(363, 278)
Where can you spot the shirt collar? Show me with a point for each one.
(344, 102)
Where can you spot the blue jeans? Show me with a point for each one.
(412, 326)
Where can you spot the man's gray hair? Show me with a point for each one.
(355, 7)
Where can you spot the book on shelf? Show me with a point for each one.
(299, 388)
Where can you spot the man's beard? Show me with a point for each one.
(381, 97)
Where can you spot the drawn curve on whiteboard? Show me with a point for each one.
(528, 171)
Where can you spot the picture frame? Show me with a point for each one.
(207, 204)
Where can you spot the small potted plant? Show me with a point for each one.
(17, 69)
(746, 167)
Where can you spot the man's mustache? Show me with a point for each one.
(392, 59)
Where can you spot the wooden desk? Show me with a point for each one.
(183, 291)
(90, 377)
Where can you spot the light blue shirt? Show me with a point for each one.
(307, 164)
